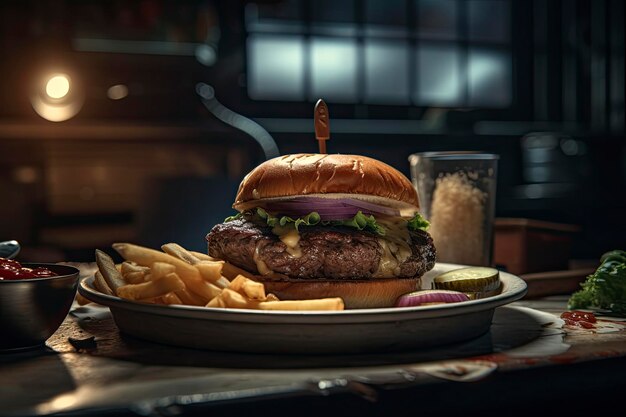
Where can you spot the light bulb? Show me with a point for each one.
(58, 86)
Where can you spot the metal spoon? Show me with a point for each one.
(9, 249)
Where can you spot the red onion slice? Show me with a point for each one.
(328, 208)
(374, 208)
(419, 298)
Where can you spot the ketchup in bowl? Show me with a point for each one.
(12, 270)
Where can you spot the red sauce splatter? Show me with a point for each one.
(13, 270)
(579, 319)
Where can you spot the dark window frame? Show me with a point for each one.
(517, 45)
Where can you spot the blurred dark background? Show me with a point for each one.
(118, 147)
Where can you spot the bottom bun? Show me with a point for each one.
(355, 294)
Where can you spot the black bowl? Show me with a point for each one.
(31, 310)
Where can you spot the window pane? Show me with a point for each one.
(386, 72)
(333, 11)
(437, 19)
(489, 20)
(276, 67)
(388, 12)
(386, 18)
(282, 17)
(489, 78)
(284, 10)
(333, 18)
(438, 75)
(333, 71)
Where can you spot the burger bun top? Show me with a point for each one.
(327, 176)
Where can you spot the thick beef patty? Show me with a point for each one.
(327, 252)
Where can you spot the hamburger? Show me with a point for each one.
(316, 226)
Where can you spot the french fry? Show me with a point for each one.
(153, 288)
(234, 299)
(179, 252)
(303, 305)
(146, 256)
(171, 298)
(192, 299)
(187, 273)
(249, 288)
(271, 297)
(217, 302)
(133, 273)
(203, 256)
(209, 270)
(161, 269)
(229, 270)
(136, 277)
(212, 272)
(109, 272)
(130, 267)
(210, 289)
(101, 285)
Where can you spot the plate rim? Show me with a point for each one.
(513, 286)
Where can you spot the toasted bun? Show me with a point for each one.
(330, 176)
(373, 293)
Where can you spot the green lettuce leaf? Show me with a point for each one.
(360, 221)
(418, 223)
(606, 288)
(234, 217)
(310, 219)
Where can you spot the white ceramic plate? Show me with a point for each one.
(349, 331)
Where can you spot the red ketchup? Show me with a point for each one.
(12, 270)
(579, 318)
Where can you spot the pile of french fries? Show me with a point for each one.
(178, 276)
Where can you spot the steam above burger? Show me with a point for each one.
(317, 225)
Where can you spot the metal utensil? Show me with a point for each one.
(9, 249)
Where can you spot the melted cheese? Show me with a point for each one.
(388, 262)
(398, 235)
(261, 266)
(290, 237)
(395, 245)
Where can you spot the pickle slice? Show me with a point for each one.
(485, 294)
(475, 281)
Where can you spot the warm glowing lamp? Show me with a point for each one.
(58, 86)
(57, 97)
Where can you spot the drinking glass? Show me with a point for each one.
(457, 193)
